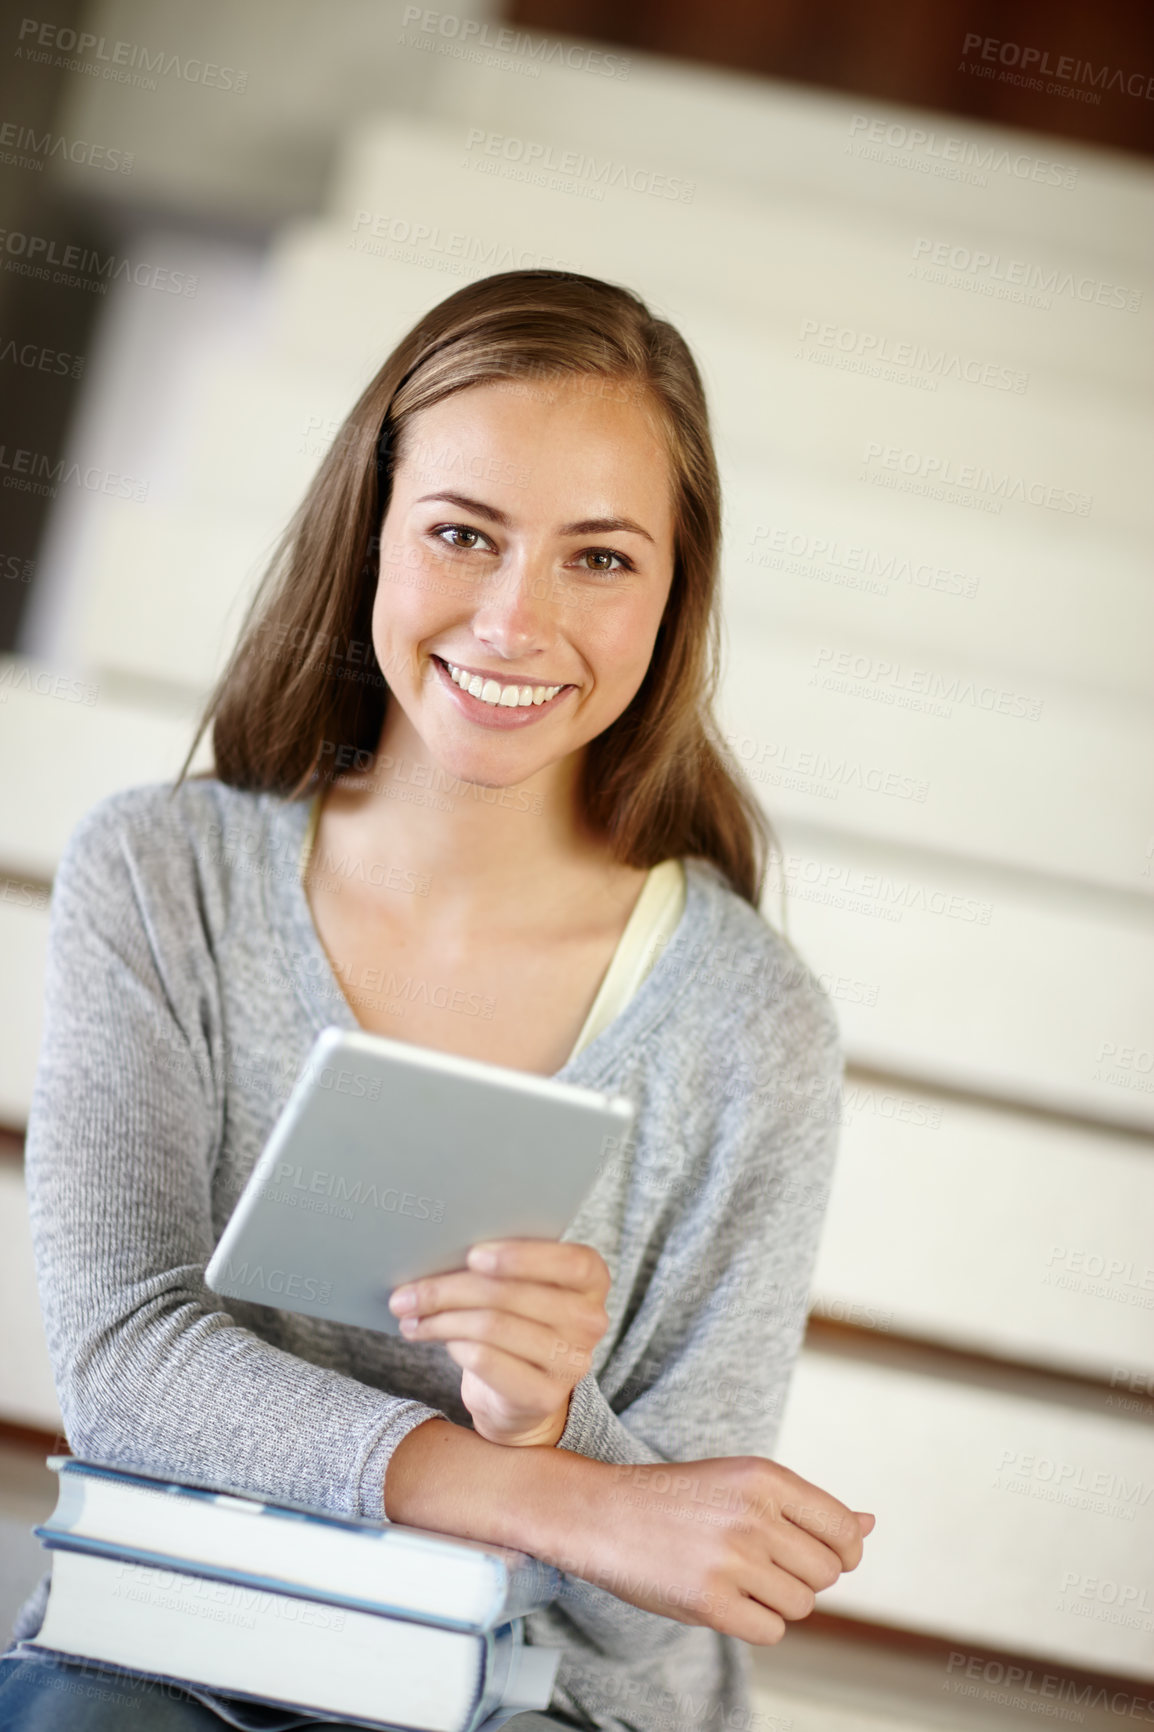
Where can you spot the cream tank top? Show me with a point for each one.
(651, 925)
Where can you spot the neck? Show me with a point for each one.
(478, 846)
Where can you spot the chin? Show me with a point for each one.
(485, 768)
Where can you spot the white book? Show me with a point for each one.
(352, 1561)
(235, 1639)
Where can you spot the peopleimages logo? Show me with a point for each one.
(1022, 1687)
(891, 897)
(44, 684)
(36, 357)
(945, 149)
(990, 272)
(1065, 68)
(534, 52)
(345, 1082)
(1072, 1481)
(1106, 1591)
(813, 772)
(921, 688)
(592, 174)
(389, 236)
(282, 1282)
(337, 1187)
(24, 147)
(992, 487)
(37, 472)
(82, 267)
(829, 560)
(45, 44)
(876, 352)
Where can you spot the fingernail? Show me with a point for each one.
(480, 1257)
(404, 1299)
(409, 1325)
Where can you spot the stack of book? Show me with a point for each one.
(216, 1591)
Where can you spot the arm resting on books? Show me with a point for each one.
(721, 1327)
(446, 1478)
(127, 1117)
(538, 1499)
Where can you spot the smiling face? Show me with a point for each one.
(526, 559)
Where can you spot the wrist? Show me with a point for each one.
(564, 1494)
(557, 1428)
(537, 1499)
(549, 1434)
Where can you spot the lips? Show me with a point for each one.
(494, 715)
(493, 688)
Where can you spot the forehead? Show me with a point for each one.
(578, 430)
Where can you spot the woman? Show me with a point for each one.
(468, 794)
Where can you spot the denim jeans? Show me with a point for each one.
(42, 1695)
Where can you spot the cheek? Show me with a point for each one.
(393, 633)
(402, 604)
(624, 643)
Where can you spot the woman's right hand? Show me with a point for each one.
(740, 1543)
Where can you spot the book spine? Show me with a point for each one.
(497, 1663)
(76, 1469)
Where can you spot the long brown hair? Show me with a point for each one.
(656, 782)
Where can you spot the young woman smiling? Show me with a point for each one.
(504, 830)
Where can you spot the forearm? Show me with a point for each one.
(193, 1394)
(555, 1504)
(445, 1478)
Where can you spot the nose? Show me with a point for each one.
(517, 613)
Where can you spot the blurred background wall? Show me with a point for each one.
(912, 250)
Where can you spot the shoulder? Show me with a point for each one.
(157, 835)
(159, 809)
(756, 996)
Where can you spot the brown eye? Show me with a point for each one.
(602, 558)
(459, 534)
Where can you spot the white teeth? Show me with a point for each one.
(492, 692)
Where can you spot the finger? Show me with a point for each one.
(769, 1598)
(520, 1337)
(555, 1261)
(787, 1498)
(511, 1379)
(810, 1560)
(750, 1621)
(827, 1520)
(780, 1591)
(576, 1320)
(460, 1288)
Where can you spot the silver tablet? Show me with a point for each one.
(390, 1160)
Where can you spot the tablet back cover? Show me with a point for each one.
(389, 1161)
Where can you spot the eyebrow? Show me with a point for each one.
(588, 525)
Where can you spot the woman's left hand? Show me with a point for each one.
(522, 1329)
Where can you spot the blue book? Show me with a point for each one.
(279, 1605)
